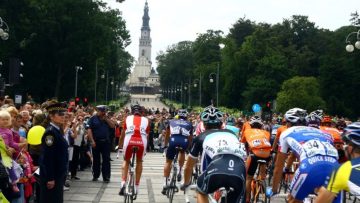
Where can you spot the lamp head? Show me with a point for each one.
(357, 44)
(349, 48)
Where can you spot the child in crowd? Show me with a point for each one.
(8, 147)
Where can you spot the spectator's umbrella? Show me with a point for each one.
(35, 134)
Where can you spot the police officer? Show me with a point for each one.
(54, 156)
(98, 132)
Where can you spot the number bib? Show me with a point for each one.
(317, 147)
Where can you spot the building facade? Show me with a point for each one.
(143, 78)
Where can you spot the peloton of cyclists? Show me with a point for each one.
(313, 148)
(222, 163)
(346, 176)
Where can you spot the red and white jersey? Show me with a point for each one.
(136, 126)
(199, 128)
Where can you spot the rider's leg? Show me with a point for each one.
(181, 161)
(248, 187)
(124, 172)
(202, 198)
(251, 165)
(167, 169)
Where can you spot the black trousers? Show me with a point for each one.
(103, 148)
(54, 195)
(75, 161)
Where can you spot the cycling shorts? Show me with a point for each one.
(311, 174)
(134, 141)
(176, 141)
(252, 163)
(225, 170)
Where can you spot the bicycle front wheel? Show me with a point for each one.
(172, 189)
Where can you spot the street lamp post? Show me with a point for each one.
(211, 79)
(106, 88)
(196, 83)
(112, 88)
(349, 47)
(4, 30)
(77, 68)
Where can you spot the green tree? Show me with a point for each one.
(302, 92)
(52, 37)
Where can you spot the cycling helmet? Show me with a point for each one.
(212, 116)
(230, 121)
(136, 109)
(352, 134)
(295, 115)
(254, 120)
(314, 118)
(182, 113)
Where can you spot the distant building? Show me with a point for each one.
(144, 78)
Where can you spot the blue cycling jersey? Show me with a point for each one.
(180, 127)
(307, 142)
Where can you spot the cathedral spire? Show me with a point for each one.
(146, 17)
(145, 39)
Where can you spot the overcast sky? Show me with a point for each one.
(172, 21)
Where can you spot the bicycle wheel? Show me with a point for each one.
(126, 198)
(172, 188)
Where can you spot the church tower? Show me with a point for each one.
(144, 79)
(145, 39)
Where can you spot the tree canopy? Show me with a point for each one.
(52, 37)
(261, 63)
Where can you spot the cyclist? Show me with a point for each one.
(230, 125)
(135, 132)
(346, 176)
(314, 119)
(276, 124)
(257, 141)
(279, 131)
(222, 162)
(315, 151)
(199, 128)
(179, 134)
(335, 133)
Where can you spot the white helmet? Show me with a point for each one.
(295, 115)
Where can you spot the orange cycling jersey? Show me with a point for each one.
(258, 141)
(335, 133)
(245, 126)
(280, 130)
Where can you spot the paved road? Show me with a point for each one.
(84, 190)
(148, 101)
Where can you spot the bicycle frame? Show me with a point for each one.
(172, 189)
(130, 194)
(258, 186)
